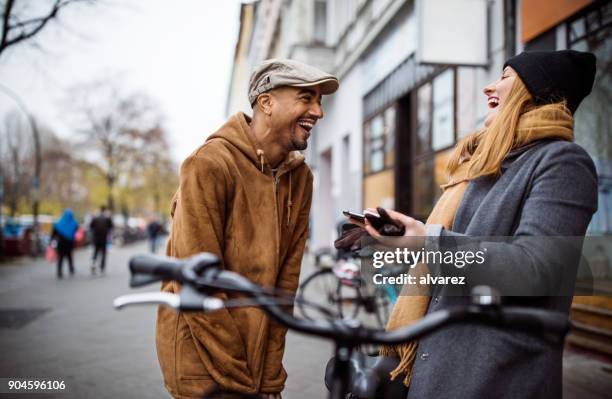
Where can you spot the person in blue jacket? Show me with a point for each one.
(64, 231)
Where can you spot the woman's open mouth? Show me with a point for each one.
(493, 102)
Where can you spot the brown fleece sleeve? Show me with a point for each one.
(198, 226)
(274, 374)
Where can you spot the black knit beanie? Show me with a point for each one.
(551, 76)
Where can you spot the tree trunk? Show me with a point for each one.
(157, 203)
(110, 201)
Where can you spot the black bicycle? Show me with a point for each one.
(201, 278)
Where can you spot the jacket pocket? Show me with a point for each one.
(195, 387)
(193, 380)
(188, 363)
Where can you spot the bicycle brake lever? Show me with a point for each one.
(147, 298)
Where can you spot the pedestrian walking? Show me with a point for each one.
(63, 234)
(100, 227)
(244, 196)
(153, 230)
(521, 176)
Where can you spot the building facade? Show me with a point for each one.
(389, 129)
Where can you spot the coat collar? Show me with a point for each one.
(516, 153)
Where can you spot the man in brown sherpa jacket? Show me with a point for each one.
(245, 196)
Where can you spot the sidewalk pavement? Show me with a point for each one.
(98, 351)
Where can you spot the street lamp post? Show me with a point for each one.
(37, 165)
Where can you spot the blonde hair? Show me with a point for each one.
(487, 148)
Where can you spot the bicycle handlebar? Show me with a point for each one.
(147, 269)
(201, 278)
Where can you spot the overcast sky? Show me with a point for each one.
(179, 52)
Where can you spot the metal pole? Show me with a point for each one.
(37, 166)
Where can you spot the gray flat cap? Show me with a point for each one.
(274, 73)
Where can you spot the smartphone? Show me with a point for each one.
(353, 215)
(376, 221)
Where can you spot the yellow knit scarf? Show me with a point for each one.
(549, 121)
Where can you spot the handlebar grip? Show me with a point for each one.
(147, 269)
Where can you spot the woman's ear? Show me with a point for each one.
(264, 101)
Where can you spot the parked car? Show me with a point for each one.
(17, 238)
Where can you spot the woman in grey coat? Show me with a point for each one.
(521, 177)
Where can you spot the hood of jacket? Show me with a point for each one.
(236, 132)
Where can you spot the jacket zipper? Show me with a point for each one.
(276, 179)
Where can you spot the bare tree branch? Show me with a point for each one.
(6, 17)
(15, 29)
(119, 127)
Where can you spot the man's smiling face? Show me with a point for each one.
(294, 112)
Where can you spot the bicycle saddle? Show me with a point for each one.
(369, 377)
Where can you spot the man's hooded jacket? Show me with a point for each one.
(230, 203)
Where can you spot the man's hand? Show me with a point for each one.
(271, 396)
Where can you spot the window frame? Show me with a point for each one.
(368, 139)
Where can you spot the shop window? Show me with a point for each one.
(389, 115)
(589, 25)
(435, 128)
(423, 135)
(379, 145)
(443, 129)
(592, 31)
(435, 135)
(430, 174)
(424, 188)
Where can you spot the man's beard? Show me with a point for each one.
(297, 145)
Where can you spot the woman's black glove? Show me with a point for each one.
(384, 224)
